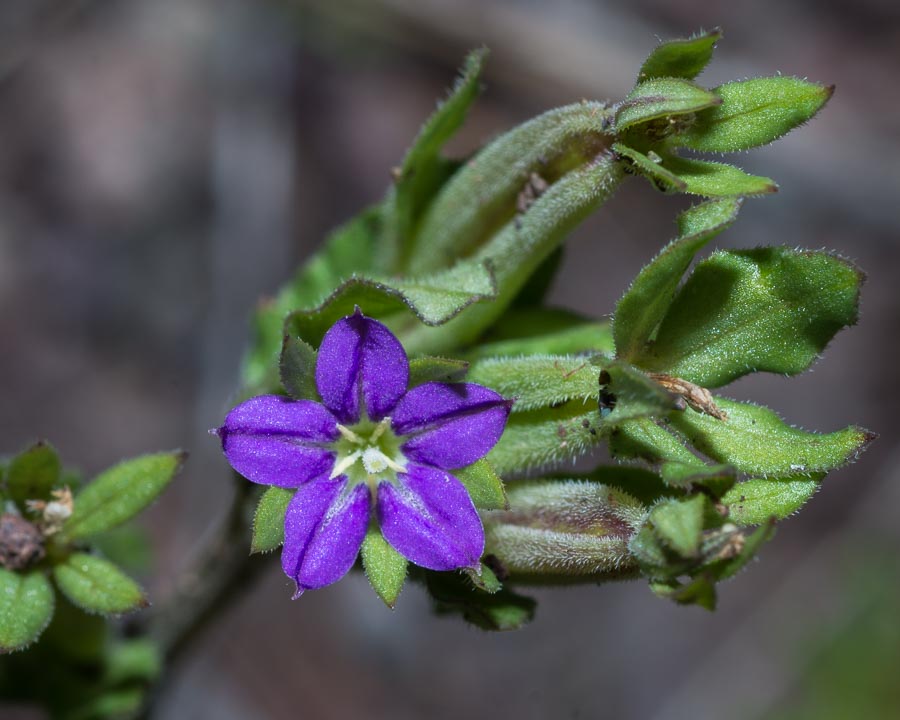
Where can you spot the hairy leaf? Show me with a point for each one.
(754, 501)
(715, 179)
(385, 567)
(680, 58)
(268, 521)
(641, 309)
(652, 168)
(26, 607)
(753, 113)
(120, 493)
(771, 309)
(660, 98)
(97, 586)
(298, 368)
(429, 368)
(31, 475)
(679, 523)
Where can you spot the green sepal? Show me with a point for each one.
(756, 441)
(268, 520)
(651, 167)
(484, 579)
(297, 368)
(348, 250)
(385, 567)
(32, 474)
(662, 98)
(679, 524)
(715, 179)
(452, 593)
(26, 607)
(682, 58)
(424, 170)
(716, 479)
(771, 309)
(483, 485)
(538, 381)
(97, 586)
(630, 394)
(753, 113)
(754, 501)
(436, 369)
(120, 493)
(644, 305)
(547, 436)
(544, 331)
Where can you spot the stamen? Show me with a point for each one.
(349, 434)
(342, 465)
(379, 430)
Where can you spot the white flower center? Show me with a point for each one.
(374, 446)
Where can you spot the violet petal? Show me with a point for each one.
(273, 440)
(358, 353)
(324, 529)
(428, 517)
(450, 425)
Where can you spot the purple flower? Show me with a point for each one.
(369, 442)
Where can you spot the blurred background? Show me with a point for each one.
(164, 165)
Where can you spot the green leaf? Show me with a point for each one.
(771, 309)
(483, 485)
(538, 380)
(643, 438)
(97, 586)
(26, 607)
(484, 579)
(349, 250)
(135, 660)
(651, 167)
(428, 369)
(643, 485)
(642, 308)
(661, 98)
(699, 591)
(423, 170)
(503, 610)
(715, 179)
(32, 474)
(298, 369)
(681, 58)
(120, 493)
(756, 441)
(679, 523)
(628, 394)
(755, 501)
(268, 522)
(384, 566)
(547, 436)
(543, 331)
(717, 479)
(753, 113)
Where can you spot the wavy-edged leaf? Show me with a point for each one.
(424, 170)
(651, 167)
(436, 369)
(753, 113)
(756, 500)
(297, 367)
(97, 586)
(682, 58)
(26, 607)
(385, 567)
(644, 305)
(771, 309)
(715, 179)
(268, 521)
(660, 98)
(120, 493)
(538, 380)
(483, 485)
(755, 440)
(32, 474)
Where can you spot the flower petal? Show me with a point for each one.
(451, 424)
(272, 440)
(324, 528)
(428, 517)
(360, 353)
